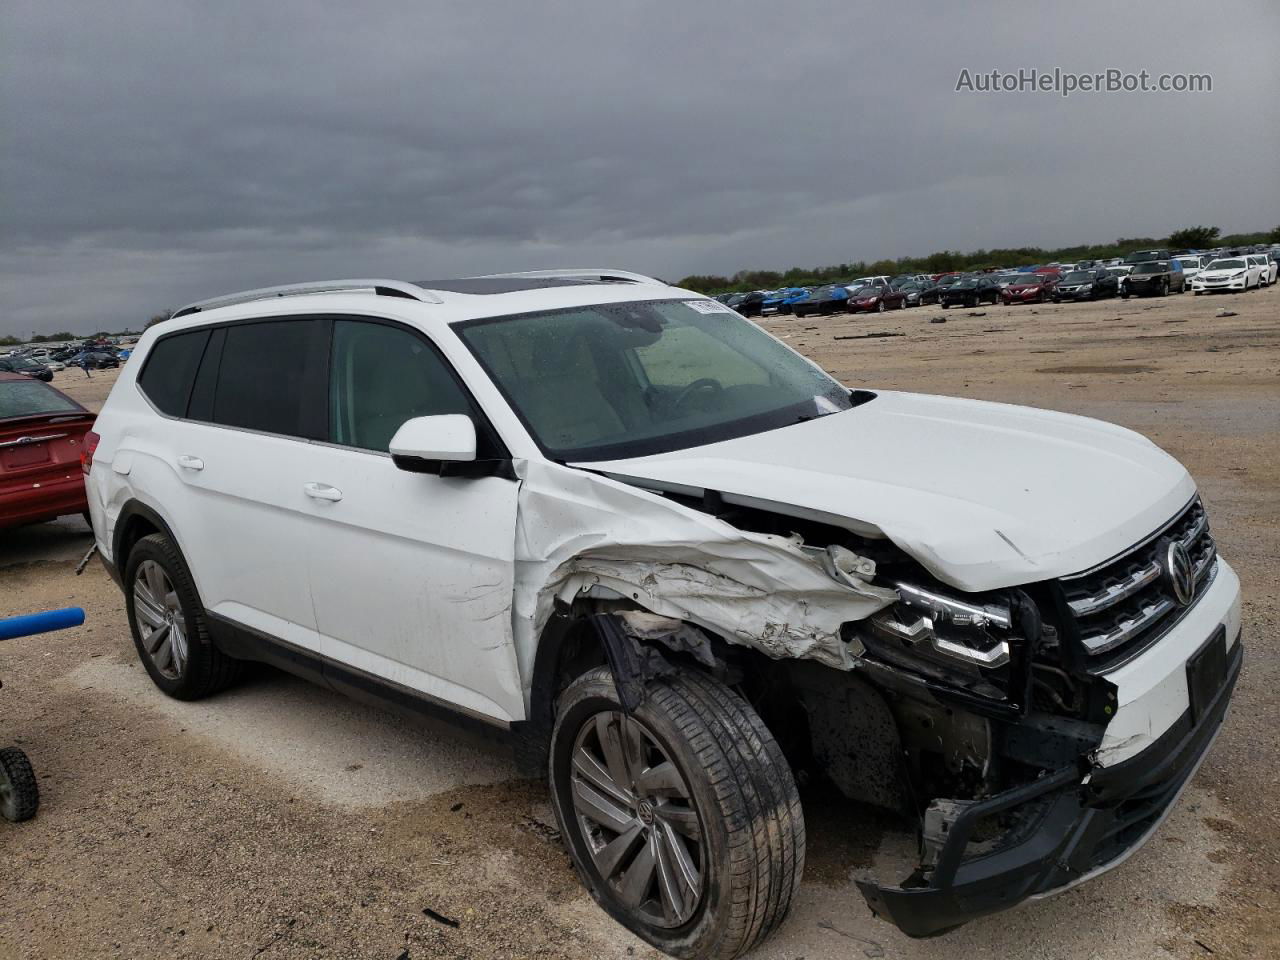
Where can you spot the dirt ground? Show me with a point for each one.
(282, 821)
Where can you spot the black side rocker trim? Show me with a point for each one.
(245, 643)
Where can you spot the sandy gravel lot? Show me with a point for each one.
(281, 821)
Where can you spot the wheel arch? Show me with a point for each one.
(135, 521)
(571, 644)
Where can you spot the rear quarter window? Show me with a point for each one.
(171, 370)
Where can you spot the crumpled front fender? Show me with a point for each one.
(577, 531)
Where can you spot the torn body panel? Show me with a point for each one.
(762, 591)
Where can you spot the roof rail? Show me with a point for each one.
(600, 274)
(381, 288)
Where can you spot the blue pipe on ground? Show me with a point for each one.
(33, 623)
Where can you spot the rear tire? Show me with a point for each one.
(169, 626)
(724, 795)
(19, 794)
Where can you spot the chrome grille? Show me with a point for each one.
(1122, 606)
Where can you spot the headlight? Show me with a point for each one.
(974, 634)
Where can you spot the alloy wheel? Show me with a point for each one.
(637, 815)
(162, 627)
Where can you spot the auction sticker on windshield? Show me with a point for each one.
(707, 306)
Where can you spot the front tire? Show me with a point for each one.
(683, 818)
(169, 626)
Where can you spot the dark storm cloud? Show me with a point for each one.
(155, 152)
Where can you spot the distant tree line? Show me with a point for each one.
(946, 261)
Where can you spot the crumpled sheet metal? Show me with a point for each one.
(757, 590)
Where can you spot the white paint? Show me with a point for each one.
(1151, 689)
(443, 585)
(984, 495)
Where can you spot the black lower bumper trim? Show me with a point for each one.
(1072, 829)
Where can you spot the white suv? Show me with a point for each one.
(678, 563)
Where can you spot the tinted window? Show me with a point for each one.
(267, 374)
(171, 369)
(382, 376)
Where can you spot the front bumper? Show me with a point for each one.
(1069, 825)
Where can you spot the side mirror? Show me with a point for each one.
(425, 444)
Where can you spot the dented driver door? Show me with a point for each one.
(411, 573)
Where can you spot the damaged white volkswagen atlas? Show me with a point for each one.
(680, 564)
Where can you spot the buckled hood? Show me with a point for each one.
(984, 495)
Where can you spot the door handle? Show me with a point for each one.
(190, 463)
(322, 491)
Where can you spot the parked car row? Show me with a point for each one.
(42, 364)
(1141, 273)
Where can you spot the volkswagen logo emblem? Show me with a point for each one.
(1180, 573)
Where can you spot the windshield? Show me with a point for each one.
(1141, 256)
(24, 398)
(1078, 276)
(1154, 267)
(1192, 262)
(633, 379)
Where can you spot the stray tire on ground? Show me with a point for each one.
(19, 793)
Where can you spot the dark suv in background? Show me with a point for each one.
(1153, 278)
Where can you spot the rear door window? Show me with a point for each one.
(171, 369)
(271, 377)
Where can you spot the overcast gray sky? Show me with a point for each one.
(154, 152)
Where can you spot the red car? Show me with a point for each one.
(42, 438)
(1036, 288)
(875, 298)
